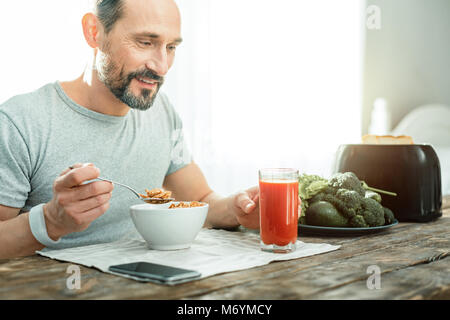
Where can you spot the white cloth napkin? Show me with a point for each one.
(212, 252)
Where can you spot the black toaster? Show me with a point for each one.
(411, 171)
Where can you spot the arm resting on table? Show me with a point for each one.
(16, 239)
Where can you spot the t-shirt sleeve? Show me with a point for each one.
(180, 154)
(15, 165)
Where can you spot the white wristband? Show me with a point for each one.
(38, 228)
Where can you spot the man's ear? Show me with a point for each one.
(91, 29)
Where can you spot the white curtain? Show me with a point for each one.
(268, 84)
(258, 83)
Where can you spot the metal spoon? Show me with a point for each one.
(147, 200)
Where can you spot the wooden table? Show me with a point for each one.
(413, 259)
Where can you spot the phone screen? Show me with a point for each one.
(153, 271)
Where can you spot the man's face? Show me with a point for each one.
(139, 50)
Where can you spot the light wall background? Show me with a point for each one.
(268, 84)
(42, 42)
(407, 61)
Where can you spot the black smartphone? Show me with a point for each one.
(156, 272)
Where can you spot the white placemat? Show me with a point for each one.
(212, 252)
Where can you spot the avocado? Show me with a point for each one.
(322, 213)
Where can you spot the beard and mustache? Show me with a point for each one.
(118, 82)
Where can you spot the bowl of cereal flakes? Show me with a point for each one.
(170, 226)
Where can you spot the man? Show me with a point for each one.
(54, 141)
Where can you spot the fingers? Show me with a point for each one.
(76, 176)
(253, 191)
(247, 205)
(75, 204)
(77, 197)
(244, 202)
(82, 220)
(90, 203)
(89, 190)
(247, 200)
(94, 213)
(76, 165)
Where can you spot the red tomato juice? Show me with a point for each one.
(278, 205)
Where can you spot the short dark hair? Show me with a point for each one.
(108, 12)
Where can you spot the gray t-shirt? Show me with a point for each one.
(44, 132)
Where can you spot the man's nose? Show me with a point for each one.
(158, 62)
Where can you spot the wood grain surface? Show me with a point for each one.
(413, 259)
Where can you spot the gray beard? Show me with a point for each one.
(144, 102)
(121, 88)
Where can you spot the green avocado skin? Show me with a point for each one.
(322, 213)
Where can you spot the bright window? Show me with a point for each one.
(258, 83)
(269, 84)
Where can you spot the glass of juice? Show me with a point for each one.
(278, 207)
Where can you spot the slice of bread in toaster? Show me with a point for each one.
(374, 139)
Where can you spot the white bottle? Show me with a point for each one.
(380, 121)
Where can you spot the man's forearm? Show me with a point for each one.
(16, 239)
(220, 213)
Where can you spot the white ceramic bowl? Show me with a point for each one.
(168, 229)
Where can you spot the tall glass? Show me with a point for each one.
(278, 206)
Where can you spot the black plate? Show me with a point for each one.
(304, 229)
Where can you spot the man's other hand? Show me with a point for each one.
(246, 207)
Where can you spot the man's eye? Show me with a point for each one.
(171, 48)
(145, 43)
